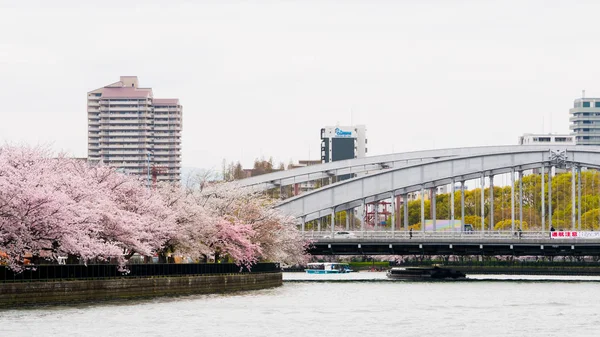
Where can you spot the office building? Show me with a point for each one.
(343, 142)
(130, 129)
(585, 121)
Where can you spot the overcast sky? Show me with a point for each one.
(262, 78)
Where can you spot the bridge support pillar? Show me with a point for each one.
(405, 206)
(543, 200)
(573, 173)
(332, 221)
(578, 198)
(520, 199)
(492, 203)
(348, 220)
(319, 225)
(393, 215)
(422, 209)
(433, 204)
(512, 200)
(303, 224)
(550, 197)
(364, 216)
(452, 205)
(462, 205)
(376, 214)
(482, 203)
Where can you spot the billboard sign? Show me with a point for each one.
(340, 132)
(575, 235)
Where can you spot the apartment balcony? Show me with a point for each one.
(127, 102)
(94, 103)
(165, 140)
(124, 140)
(120, 127)
(133, 145)
(124, 154)
(166, 134)
(125, 158)
(124, 137)
(118, 108)
(165, 108)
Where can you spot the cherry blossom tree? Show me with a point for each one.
(52, 206)
(274, 235)
(60, 206)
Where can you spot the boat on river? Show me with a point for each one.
(327, 268)
(424, 273)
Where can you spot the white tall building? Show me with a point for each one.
(130, 129)
(585, 121)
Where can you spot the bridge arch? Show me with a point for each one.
(427, 174)
(369, 165)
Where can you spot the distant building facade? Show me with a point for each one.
(546, 138)
(130, 129)
(585, 121)
(342, 143)
(307, 185)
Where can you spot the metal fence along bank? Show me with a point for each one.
(94, 272)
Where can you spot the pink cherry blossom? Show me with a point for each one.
(53, 206)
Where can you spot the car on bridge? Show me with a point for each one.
(341, 235)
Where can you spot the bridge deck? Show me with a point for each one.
(431, 243)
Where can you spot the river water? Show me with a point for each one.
(356, 304)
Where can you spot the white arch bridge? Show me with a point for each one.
(394, 176)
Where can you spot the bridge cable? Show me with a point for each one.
(502, 203)
(530, 201)
(565, 202)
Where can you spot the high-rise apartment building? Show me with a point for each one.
(585, 121)
(130, 129)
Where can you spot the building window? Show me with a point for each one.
(597, 104)
(586, 104)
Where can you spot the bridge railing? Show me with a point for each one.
(428, 235)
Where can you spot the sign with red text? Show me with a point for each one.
(574, 235)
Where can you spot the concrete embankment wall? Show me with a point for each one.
(54, 292)
(559, 271)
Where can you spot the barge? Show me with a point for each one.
(425, 273)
